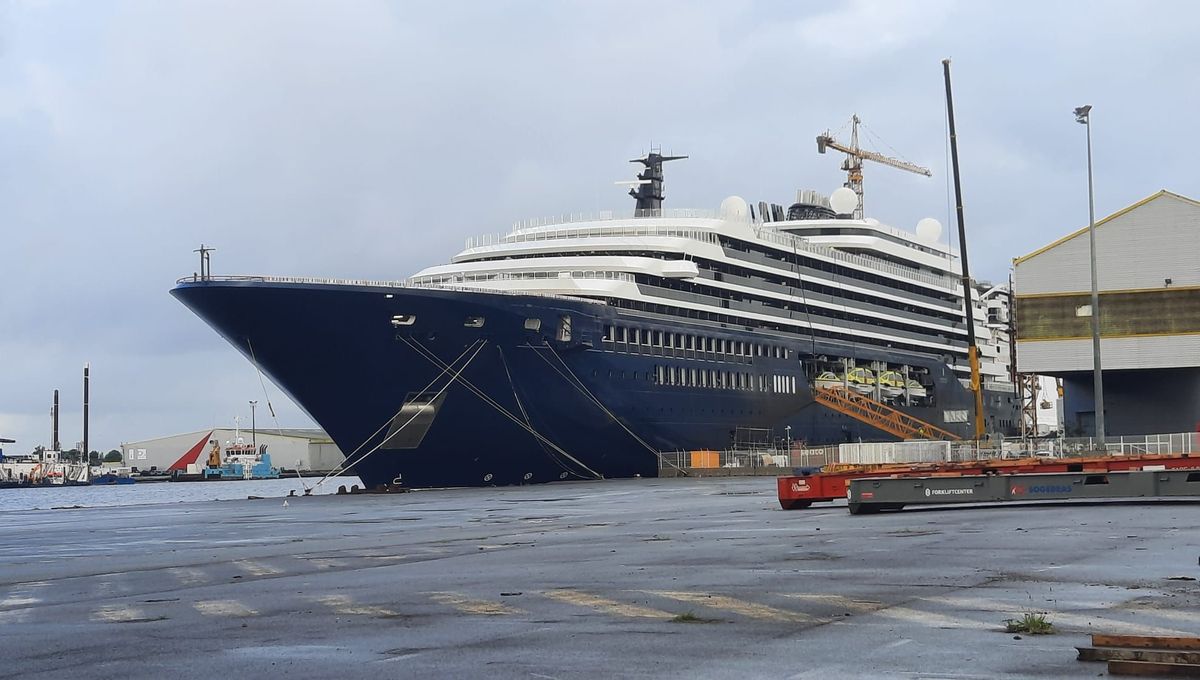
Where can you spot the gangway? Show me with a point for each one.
(878, 414)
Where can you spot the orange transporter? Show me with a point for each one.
(798, 492)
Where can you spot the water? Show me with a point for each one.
(160, 492)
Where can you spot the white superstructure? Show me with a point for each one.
(854, 282)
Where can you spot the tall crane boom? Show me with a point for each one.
(854, 158)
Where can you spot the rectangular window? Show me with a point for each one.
(720, 346)
(608, 330)
(564, 329)
(708, 344)
(691, 342)
(635, 336)
(621, 336)
(694, 381)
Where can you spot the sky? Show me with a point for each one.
(368, 139)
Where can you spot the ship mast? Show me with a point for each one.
(648, 188)
(968, 302)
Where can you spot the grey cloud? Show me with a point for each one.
(367, 139)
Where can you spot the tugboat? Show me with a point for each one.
(240, 461)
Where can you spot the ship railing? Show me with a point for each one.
(788, 241)
(611, 215)
(495, 240)
(799, 243)
(408, 284)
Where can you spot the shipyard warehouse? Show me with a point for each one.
(305, 450)
(1149, 283)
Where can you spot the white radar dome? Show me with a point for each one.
(929, 230)
(735, 208)
(843, 201)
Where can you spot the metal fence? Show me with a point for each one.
(775, 460)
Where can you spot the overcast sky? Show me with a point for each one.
(367, 139)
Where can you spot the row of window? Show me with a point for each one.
(847, 338)
(698, 343)
(684, 376)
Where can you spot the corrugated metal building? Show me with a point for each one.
(1148, 272)
(290, 449)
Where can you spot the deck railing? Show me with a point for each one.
(525, 233)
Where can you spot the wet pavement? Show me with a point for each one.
(634, 578)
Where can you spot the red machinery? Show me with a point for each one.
(799, 492)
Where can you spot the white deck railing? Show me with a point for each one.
(528, 233)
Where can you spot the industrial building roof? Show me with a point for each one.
(1084, 229)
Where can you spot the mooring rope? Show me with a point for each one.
(433, 358)
(579, 385)
(524, 414)
(446, 368)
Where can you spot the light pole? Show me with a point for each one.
(1083, 116)
(253, 429)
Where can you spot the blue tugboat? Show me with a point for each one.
(240, 461)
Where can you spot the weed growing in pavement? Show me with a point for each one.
(1031, 623)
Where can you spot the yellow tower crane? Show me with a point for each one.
(854, 158)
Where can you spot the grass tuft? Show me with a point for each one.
(690, 617)
(1031, 623)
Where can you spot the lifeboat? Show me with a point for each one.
(829, 381)
(916, 390)
(861, 380)
(891, 384)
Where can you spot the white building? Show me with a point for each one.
(290, 448)
(1149, 283)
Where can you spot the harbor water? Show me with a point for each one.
(146, 493)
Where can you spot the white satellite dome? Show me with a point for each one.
(735, 208)
(843, 201)
(929, 230)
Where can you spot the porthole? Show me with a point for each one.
(528, 476)
(562, 475)
(487, 477)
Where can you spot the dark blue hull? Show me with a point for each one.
(350, 357)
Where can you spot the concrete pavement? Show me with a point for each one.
(633, 578)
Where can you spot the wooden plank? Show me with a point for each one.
(1145, 641)
(1155, 655)
(1153, 670)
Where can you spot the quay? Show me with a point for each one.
(630, 578)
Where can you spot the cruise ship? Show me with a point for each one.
(587, 347)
